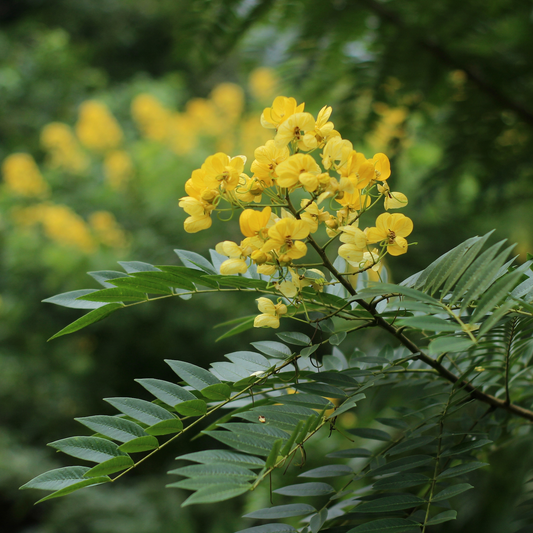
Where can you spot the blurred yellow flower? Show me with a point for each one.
(152, 118)
(118, 169)
(97, 129)
(63, 148)
(107, 229)
(262, 83)
(22, 176)
(229, 100)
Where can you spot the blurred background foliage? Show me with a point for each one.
(106, 109)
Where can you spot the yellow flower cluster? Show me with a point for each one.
(63, 148)
(277, 233)
(23, 177)
(97, 129)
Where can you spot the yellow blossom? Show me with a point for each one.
(267, 159)
(118, 169)
(229, 99)
(393, 200)
(284, 238)
(107, 229)
(336, 152)
(324, 130)
(22, 176)
(63, 148)
(358, 169)
(282, 108)
(254, 223)
(299, 169)
(270, 313)
(293, 129)
(381, 167)
(313, 215)
(391, 229)
(97, 128)
(152, 118)
(262, 83)
(223, 171)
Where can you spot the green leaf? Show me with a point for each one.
(274, 452)
(458, 470)
(167, 392)
(223, 456)
(104, 276)
(217, 493)
(336, 378)
(401, 465)
(250, 361)
(58, 479)
(280, 420)
(140, 444)
(294, 337)
(198, 378)
(93, 449)
(450, 492)
(449, 344)
(305, 400)
(310, 350)
(390, 503)
(76, 486)
(273, 348)
(243, 443)
(328, 391)
(495, 295)
(198, 483)
(86, 320)
(232, 473)
(217, 391)
(328, 471)
(192, 408)
(370, 433)
(337, 339)
(70, 299)
(239, 282)
(245, 324)
(306, 489)
(388, 525)
(429, 323)
(269, 528)
(388, 288)
(442, 517)
(411, 444)
(113, 427)
(232, 373)
(465, 447)
(141, 285)
(114, 295)
(318, 520)
(190, 275)
(260, 430)
(166, 278)
(195, 261)
(141, 410)
(496, 316)
(137, 266)
(401, 481)
(282, 511)
(165, 427)
(350, 403)
(350, 453)
(115, 464)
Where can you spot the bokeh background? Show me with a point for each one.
(107, 107)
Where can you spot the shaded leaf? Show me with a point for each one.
(243, 443)
(142, 285)
(328, 471)
(217, 391)
(93, 449)
(272, 348)
(458, 470)
(401, 481)
(294, 337)
(269, 528)
(195, 261)
(232, 472)
(167, 392)
(140, 444)
(306, 489)
(388, 525)
(390, 503)
(450, 492)
(282, 511)
(401, 465)
(370, 433)
(429, 323)
(442, 517)
(217, 493)
(141, 410)
(165, 427)
(449, 344)
(70, 299)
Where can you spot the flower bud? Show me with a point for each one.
(259, 257)
(209, 195)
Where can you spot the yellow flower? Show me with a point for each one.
(322, 132)
(284, 238)
(267, 159)
(392, 230)
(354, 201)
(229, 99)
(118, 169)
(381, 167)
(97, 128)
(107, 229)
(358, 169)
(293, 129)
(152, 118)
(312, 215)
(22, 176)
(393, 200)
(336, 152)
(299, 169)
(253, 223)
(63, 148)
(355, 245)
(223, 172)
(282, 108)
(270, 313)
(262, 83)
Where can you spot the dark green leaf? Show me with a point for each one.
(217, 493)
(351, 452)
(401, 481)
(141, 410)
(243, 443)
(310, 350)
(273, 348)
(370, 433)
(306, 489)
(282, 511)
(411, 444)
(305, 400)
(230, 471)
(274, 453)
(167, 392)
(328, 391)
(90, 318)
(89, 448)
(238, 281)
(114, 427)
(103, 277)
(269, 528)
(450, 492)
(260, 430)
(390, 503)
(328, 471)
(192, 408)
(115, 464)
(114, 295)
(449, 344)
(250, 361)
(142, 285)
(60, 478)
(193, 375)
(295, 337)
(458, 470)
(140, 444)
(166, 278)
(387, 525)
(217, 391)
(465, 447)
(195, 261)
(350, 403)
(442, 517)
(429, 323)
(337, 339)
(76, 486)
(165, 427)
(402, 465)
(190, 275)
(224, 456)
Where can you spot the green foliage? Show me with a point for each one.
(451, 356)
